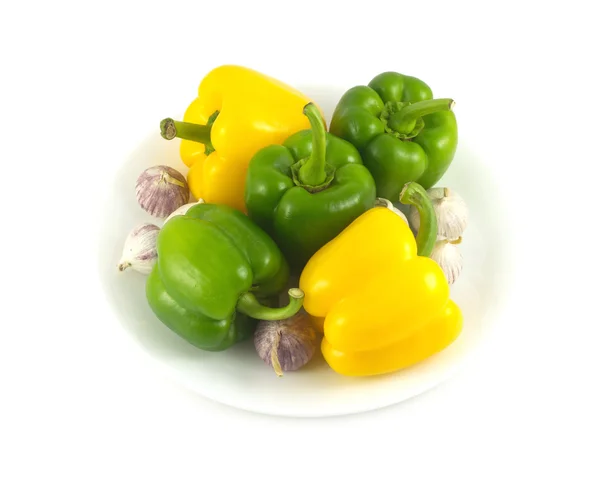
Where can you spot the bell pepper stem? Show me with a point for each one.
(403, 120)
(414, 194)
(169, 129)
(312, 173)
(249, 305)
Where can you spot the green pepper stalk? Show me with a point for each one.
(404, 119)
(312, 172)
(249, 305)
(413, 193)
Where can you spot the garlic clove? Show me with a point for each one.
(388, 204)
(447, 255)
(182, 210)
(139, 251)
(160, 190)
(451, 212)
(286, 345)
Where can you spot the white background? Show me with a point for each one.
(82, 82)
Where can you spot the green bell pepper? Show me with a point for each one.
(306, 191)
(402, 133)
(214, 266)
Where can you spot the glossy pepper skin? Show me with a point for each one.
(237, 111)
(381, 303)
(214, 265)
(306, 191)
(402, 133)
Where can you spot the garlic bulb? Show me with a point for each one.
(160, 190)
(448, 256)
(139, 252)
(286, 345)
(182, 210)
(450, 209)
(388, 204)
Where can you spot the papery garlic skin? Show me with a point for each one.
(388, 204)
(182, 210)
(139, 251)
(451, 212)
(286, 345)
(160, 190)
(448, 256)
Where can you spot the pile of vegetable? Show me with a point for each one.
(296, 236)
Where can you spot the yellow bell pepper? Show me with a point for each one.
(380, 301)
(237, 112)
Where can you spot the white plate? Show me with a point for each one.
(237, 377)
